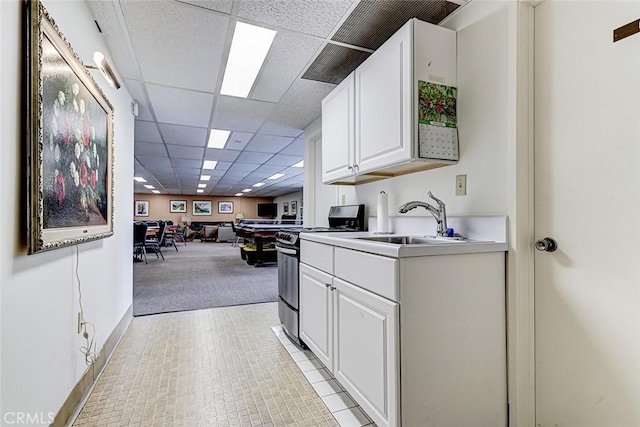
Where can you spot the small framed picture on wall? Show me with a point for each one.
(225, 207)
(178, 206)
(142, 208)
(294, 207)
(285, 208)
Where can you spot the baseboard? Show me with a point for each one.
(71, 407)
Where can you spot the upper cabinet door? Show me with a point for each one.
(338, 132)
(383, 104)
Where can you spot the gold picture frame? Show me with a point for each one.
(69, 132)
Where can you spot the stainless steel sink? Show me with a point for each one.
(413, 240)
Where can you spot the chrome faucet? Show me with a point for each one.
(439, 213)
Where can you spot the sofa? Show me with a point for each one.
(210, 231)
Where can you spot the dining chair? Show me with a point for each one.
(170, 233)
(153, 242)
(139, 241)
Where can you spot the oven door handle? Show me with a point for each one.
(286, 251)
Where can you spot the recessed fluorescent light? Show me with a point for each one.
(139, 179)
(155, 191)
(202, 185)
(258, 184)
(199, 191)
(246, 190)
(238, 194)
(218, 138)
(205, 177)
(249, 49)
(276, 176)
(150, 187)
(209, 164)
(299, 164)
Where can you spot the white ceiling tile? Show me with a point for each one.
(223, 6)
(150, 162)
(223, 166)
(146, 132)
(187, 52)
(183, 152)
(136, 90)
(243, 167)
(183, 135)
(268, 169)
(221, 155)
(235, 175)
(287, 59)
(283, 160)
(108, 18)
(240, 114)
(253, 157)
(316, 17)
(188, 173)
(186, 163)
(289, 120)
(268, 143)
(149, 149)
(238, 140)
(179, 106)
(296, 148)
(307, 92)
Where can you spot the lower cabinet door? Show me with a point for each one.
(366, 350)
(316, 314)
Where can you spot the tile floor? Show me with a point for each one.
(215, 367)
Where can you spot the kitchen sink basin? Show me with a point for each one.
(414, 240)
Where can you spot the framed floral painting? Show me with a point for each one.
(69, 141)
(142, 208)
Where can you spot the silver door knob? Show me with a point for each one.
(546, 245)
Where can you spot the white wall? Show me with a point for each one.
(288, 198)
(482, 115)
(39, 343)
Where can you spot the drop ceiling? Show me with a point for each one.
(171, 57)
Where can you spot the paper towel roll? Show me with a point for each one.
(383, 213)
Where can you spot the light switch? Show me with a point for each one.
(461, 185)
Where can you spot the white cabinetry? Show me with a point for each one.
(416, 341)
(353, 332)
(370, 121)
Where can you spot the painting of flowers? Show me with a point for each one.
(71, 133)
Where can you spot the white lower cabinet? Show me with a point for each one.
(416, 341)
(353, 332)
(365, 355)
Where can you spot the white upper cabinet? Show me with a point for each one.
(338, 131)
(370, 122)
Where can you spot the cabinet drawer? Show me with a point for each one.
(317, 255)
(375, 273)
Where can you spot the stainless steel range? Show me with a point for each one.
(341, 218)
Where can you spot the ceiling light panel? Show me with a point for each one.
(149, 186)
(209, 164)
(200, 191)
(139, 179)
(300, 164)
(186, 53)
(218, 138)
(258, 184)
(247, 190)
(239, 194)
(249, 49)
(239, 140)
(155, 191)
(180, 106)
(276, 176)
(205, 177)
(202, 185)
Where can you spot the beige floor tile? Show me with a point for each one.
(216, 367)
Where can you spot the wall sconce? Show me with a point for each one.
(106, 70)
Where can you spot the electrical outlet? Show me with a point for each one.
(79, 322)
(461, 185)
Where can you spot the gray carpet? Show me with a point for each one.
(200, 275)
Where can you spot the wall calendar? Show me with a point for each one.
(437, 121)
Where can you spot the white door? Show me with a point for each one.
(587, 197)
